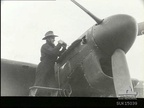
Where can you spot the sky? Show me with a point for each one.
(24, 24)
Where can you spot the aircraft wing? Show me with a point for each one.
(16, 77)
(140, 28)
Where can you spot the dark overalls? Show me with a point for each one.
(45, 75)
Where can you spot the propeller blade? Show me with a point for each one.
(88, 12)
(121, 76)
(140, 28)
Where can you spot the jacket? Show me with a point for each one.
(45, 75)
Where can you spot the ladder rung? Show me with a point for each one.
(40, 87)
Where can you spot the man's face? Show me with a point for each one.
(51, 39)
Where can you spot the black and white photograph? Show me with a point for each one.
(73, 48)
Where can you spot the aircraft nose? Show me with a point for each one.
(116, 32)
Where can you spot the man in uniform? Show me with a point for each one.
(45, 75)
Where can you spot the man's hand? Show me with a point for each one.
(62, 42)
(64, 45)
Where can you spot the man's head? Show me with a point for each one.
(50, 37)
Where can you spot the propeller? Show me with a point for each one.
(140, 28)
(88, 12)
(121, 76)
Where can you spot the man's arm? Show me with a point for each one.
(63, 49)
(51, 51)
